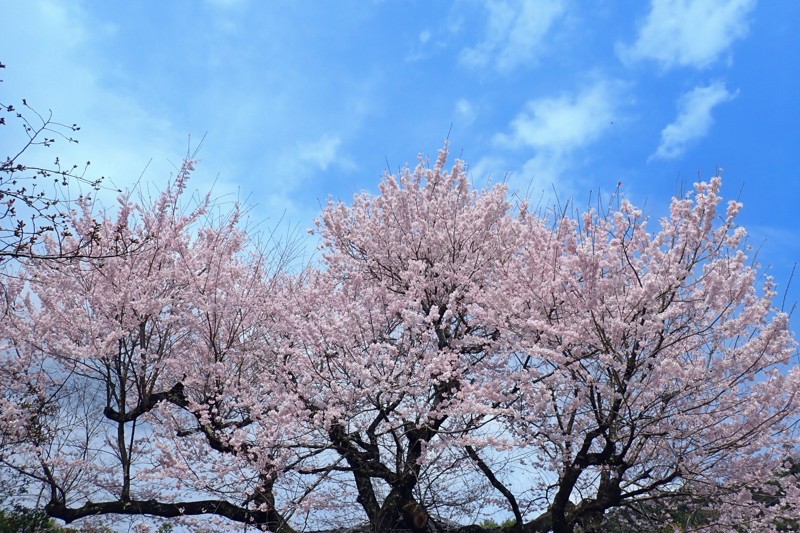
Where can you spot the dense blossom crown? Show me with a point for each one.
(449, 354)
(426, 222)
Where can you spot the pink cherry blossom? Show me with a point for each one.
(450, 353)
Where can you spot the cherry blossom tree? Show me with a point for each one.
(649, 367)
(129, 378)
(450, 352)
(387, 354)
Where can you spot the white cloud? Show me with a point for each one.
(693, 121)
(542, 170)
(324, 153)
(555, 127)
(564, 123)
(514, 33)
(465, 112)
(426, 46)
(691, 33)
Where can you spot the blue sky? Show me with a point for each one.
(305, 100)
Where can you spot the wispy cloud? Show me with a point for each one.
(693, 33)
(514, 33)
(465, 112)
(423, 47)
(694, 119)
(324, 153)
(554, 127)
(563, 123)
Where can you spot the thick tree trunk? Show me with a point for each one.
(401, 510)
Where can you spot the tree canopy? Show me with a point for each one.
(451, 352)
